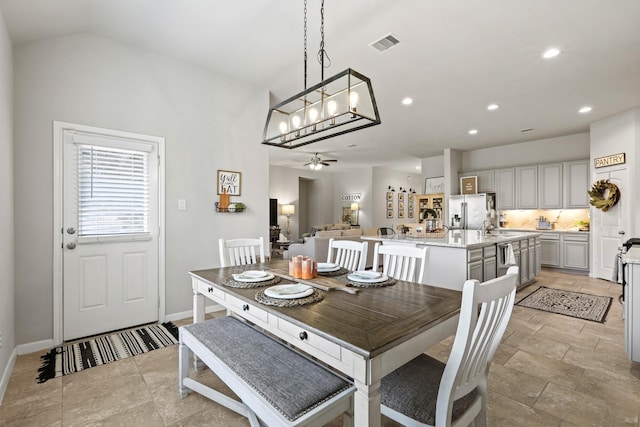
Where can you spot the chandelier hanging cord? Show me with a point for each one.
(305, 44)
(322, 53)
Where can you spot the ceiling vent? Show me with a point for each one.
(385, 43)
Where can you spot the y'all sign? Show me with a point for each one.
(229, 182)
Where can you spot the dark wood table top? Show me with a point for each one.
(368, 323)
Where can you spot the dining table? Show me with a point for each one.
(363, 332)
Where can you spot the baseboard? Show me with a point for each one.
(32, 347)
(6, 375)
(189, 314)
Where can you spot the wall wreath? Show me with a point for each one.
(598, 192)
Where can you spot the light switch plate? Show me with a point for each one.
(182, 204)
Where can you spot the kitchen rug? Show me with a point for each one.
(75, 357)
(569, 303)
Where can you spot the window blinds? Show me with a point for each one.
(113, 191)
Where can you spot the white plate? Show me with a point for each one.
(243, 277)
(254, 273)
(328, 266)
(367, 277)
(294, 291)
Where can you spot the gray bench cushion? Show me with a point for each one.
(412, 390)
(291, 383)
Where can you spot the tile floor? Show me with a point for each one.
(550, 370)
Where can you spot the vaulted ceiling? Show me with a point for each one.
(455, 57)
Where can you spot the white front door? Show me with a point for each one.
(110, 232)
(609, 228)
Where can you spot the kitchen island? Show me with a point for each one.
(458, 255)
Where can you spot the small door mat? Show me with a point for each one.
(75, 357)
(569, 303)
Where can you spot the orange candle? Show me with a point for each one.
(307, 269)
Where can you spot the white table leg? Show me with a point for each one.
(198, 316)
(366, 405)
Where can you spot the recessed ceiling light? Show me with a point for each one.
(473, 131)
(551, 53)
(585, 109)
(492, 107)
(407, 101)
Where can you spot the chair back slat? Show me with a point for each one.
(402, 262)
(241, 251)
(348, 254)
(477, 338)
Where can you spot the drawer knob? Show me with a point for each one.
(210, 289)
(303, 335)
(245, 307)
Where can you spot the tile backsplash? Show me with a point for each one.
(561, 219)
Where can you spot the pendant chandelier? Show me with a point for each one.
(340, 104)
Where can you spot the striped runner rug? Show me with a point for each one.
(75, 357)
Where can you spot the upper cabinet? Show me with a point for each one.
(505, 188)
(486, 180)
(547, 186)
(576, 184)
(550, 186)
(527, 187)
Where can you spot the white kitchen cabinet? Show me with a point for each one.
(550, 249)
(631, 308)
(576, 184)
(524, 264)
(550, 180)
(486, 180)
(505, 188)
(474, 270)
(532, 259)
(489, 262)
(538, 254)
(575, 251)
(527, 187)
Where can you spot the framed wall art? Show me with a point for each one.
(400, 214)
(469, 185)
(389, 195)
(389, 213)
(410, 213)
(389, 205)
(229, 182)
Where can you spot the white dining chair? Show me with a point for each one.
(401, 262)
(241, 251)
(426, 392)
(349, 254)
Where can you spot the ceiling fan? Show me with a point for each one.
(316, 162)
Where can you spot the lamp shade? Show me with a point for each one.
(354, 206)
(340, 104)
(288, 209)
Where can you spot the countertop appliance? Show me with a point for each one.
(472, 211)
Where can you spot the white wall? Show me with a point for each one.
(570, 147)
(7, 283)
(382, 179)
(284, 185)
(352, 182)
(210, 122)
(432, 167)
(620, 134)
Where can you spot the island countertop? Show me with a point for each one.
(467, 239)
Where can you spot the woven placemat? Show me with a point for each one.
(339, 272)
(316, 296)
(232, 283)
(389, 282)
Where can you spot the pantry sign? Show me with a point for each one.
(614, 159)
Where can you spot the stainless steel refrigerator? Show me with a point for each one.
(470, 211)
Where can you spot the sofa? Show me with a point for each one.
(317, 246)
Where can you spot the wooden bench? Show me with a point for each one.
(275, 383)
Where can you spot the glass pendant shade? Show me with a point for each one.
(340, 104)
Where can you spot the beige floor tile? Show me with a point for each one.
(545, 368)
(536, 344)
(584, 410)
(593, 383)
(505, 412)
(517, 385)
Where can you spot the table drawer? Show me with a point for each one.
(211, 292)
(301, 335)
(249, 311)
